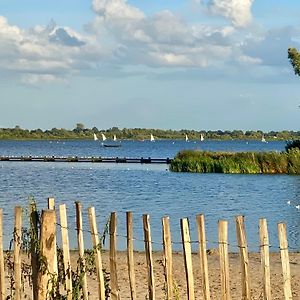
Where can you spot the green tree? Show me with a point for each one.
(294, 57)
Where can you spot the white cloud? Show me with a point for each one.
(238, 11)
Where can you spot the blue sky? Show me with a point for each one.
(197, 64)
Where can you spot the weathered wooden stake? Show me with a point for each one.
(242, 243)
(51, 203)
(97, 251)
(81, 249)
(17, 252)
(224, 260)
(47, 275)
(168, 259)
(115, 293)
(130, 256)
(265, 260)
(203, 256)
(284, 252)
(2, 275)
(34, 249)
(148, 252)
(187, 252)
(66, 249)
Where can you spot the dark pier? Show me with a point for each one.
(96, 159)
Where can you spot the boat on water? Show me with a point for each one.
(95, 137)
(263, 139)
(103, 137)
(112, 145)
(115, 138)
(186, 138)
(201, 137)
(152, 138)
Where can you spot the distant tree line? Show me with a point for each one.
(80, 132)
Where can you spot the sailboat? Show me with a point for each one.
(115, 138)
(95, 137)
(263, 139)
(201, 137)
(186, 138)
(103, 137)
(152, 138)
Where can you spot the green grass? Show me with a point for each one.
(237, 162)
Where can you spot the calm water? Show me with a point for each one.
(150, 189)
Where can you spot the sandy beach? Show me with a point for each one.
(214, 275)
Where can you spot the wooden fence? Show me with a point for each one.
(44, 259)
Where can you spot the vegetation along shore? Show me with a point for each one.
(81, 132)
(287, 162)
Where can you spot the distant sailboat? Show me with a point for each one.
(95, 137)
(103, 137)
(115, 138)
(263, 139)
(186, 138)
(201, 137)
(152, 138)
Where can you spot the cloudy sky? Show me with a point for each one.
(194, 64)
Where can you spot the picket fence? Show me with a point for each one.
(42, 280)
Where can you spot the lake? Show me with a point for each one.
(150, 189)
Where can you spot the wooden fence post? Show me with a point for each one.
(242, 244)
(187, 252)
(17, 252)
(115, 294)
(97, 251)
(284, 252)
(47, 275)
(66, 249)
(2, 275)
(148, 252)
(224, 259)
(81, 249)
(265, 260)
(51, 205)
(130, 256)
(203, 256)
(34, 219)
(168, 259)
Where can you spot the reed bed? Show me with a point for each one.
(237, 162)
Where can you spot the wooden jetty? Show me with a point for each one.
(93, 159)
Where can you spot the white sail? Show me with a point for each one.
(186, 138)
(103, 137)
(95, 137)
(201, 137)
(263, 139)
(115, 138)
(152, 138)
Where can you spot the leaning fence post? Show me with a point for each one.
(17, 252)
(47, 275)
(203, 256)
(2, 275)
(224, 259)
(242, 244)
(148, 251)
(284, 252)
(115, 294)
(97, 251)
(265, 260)
(130, 257)
(81, 249)
(168, 259)
(66, 249)
(187, 252)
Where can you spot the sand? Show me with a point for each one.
(180, 278)
(214, 276)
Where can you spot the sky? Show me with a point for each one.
(169, 64)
